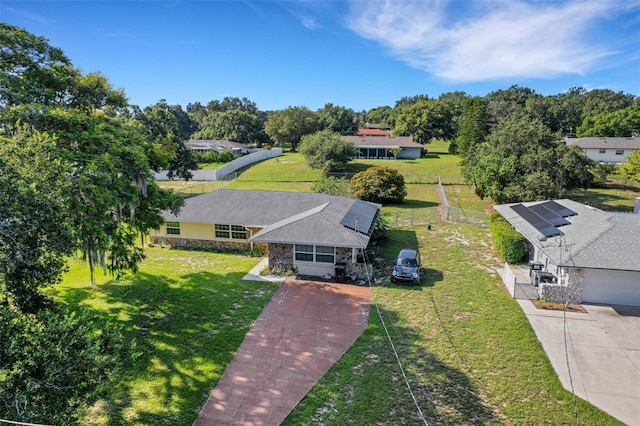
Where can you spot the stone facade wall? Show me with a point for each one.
(280, 258)
(570, 293)
(206, 244)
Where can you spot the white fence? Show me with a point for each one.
(227, 169)
(509, 279)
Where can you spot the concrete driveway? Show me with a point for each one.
(603, 347)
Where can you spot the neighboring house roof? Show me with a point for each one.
(592, 239)
(610, 143)
(215, 144)
(286, 217)
(372, 132)
(380, 142)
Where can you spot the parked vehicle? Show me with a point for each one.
(408, 267)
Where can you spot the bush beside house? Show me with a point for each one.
(508, 242)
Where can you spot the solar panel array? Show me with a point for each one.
(360, 217)
(545, 217)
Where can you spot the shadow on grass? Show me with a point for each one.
(367, 386)
(413, 204)
(187, 331)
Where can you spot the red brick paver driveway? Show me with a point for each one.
(302, 332)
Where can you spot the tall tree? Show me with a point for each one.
(110, 196)
(289, 125)
(503, 104)
(31, 71)
(167, 127)
(235, 124)
(598, 101)
(229, 103)
(425, 120)
(337, 119)
(380, 115)
(521, 160)
(473, 127)
(35, 229)
(456, 102)
(568, 109)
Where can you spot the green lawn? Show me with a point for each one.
(617, 195)
(469, 352)
(189, 312)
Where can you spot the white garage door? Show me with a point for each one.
(611, 287)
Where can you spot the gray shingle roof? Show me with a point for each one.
(610, 143)
(286, 217)
(593, 238)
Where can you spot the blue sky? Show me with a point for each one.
(360, 54)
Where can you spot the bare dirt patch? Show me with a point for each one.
(541, 304)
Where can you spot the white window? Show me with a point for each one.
(318, 254)
(325, 254)
(619, 151)
(602, 151)
(173, 228)
(234, 232)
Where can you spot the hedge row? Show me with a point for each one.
(508, 242)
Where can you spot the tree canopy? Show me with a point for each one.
(103, 176)
(289, 125)
(327, 151)
(522, 160)
(425, 120)
(337, 119)
(619, 123)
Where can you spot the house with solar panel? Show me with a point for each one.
(578, 253)
(308, 232)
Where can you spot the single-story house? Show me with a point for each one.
(593, 256)
(378, 147)
(303, 231)
(606, 150)
(202, 146)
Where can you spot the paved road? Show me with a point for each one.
(604, 354)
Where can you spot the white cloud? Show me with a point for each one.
(489, 40)
(309, 22)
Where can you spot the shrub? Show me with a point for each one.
(54, 362)
(508, 242)
(379, 185)
(332, 185)
(327, 151)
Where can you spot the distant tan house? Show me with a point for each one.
(606, 150)
(379, 147)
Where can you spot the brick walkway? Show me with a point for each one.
(302, 332)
